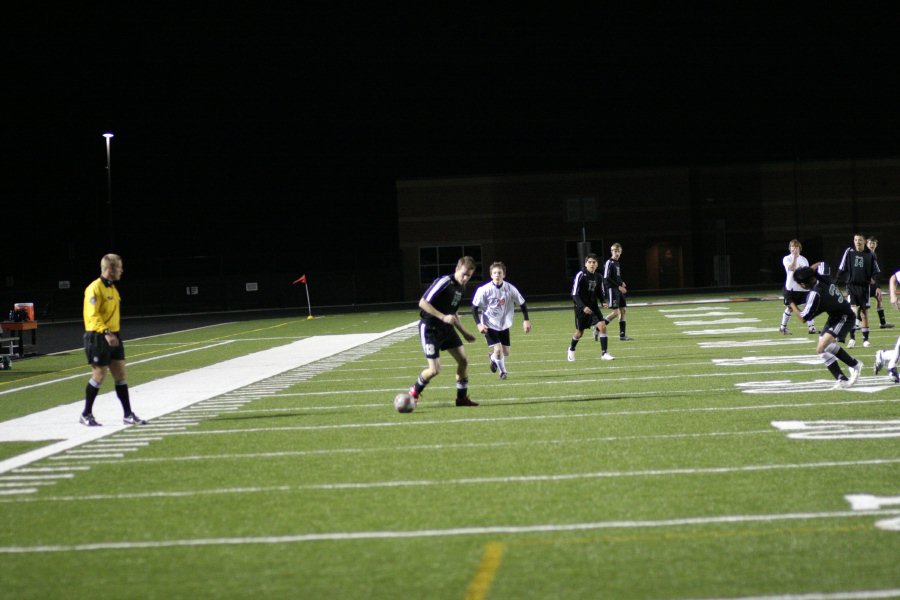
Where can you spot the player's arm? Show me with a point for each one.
(893, 288)
(527, 322)
(482, 328)
(459, 326)
(428, 307)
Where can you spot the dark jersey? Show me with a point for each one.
(857, 268)
(585, 289)
(445, 294)
(612, 275)
(825, 297)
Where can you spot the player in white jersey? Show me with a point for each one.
(493, 306)
(890, 357)
(794, 293)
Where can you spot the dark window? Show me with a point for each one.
(435, 261)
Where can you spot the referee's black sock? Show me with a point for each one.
(122, 393)
(881, 316)
(90, 394)
(573, 344)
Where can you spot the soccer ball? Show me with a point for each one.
(404, 403)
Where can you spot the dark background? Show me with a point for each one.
(268, 139)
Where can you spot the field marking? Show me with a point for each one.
(717, 321)
(839, 430)
(844, 595)
(487, 570)
(169, 394)
(403, 421)
(493, 530)
(420, 447)
(511, 479)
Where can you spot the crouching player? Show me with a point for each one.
(825, 297)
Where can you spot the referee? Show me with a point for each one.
(102, 344)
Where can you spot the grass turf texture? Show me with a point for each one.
(652, 476)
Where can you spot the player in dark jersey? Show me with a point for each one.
(875, 289)
(825, 297)
(858, 268)
(438, 323)
(614, 290)
(587, 312)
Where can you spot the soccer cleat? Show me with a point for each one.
(493, 364)
(413, 394)
(503, 374)
(866, 344)
(89, 420)
(879, 361)
(607, 356)
(812, 330)
(851, 343)
(465, 402)
(571, 355)
(887, 326)
(894, 377)
(625, 338)
(841, 384)
(784, 330)
(133, 419)
(854, 373)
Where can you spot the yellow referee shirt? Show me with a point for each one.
(101, 306)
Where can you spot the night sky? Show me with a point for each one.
(254, 135)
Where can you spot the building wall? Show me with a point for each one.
(679, 227)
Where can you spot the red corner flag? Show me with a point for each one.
(301, 280)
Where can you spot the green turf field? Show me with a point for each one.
(711, 459)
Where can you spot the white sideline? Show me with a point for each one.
(169, 394)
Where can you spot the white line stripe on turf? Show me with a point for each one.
(368, 485)
(845, 595)
(451, 532)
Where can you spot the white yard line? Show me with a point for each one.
(494, 530)
(168, 394)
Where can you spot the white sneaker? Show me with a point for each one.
(851, 343)
(879, 361)
(571, 356)
(607, 356)
(841, 384)
(866, 344)
(854, 373)
(784, 330)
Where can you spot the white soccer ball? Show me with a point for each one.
(404, 403)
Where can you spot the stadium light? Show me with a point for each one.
(109, 136)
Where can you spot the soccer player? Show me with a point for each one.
(825, 297)
(891, 356)
(794, 294)
(585, 288)
(859, 268)
(615, 289)
(438, 324)
(496, 300)
(102, 343)
(875, 289)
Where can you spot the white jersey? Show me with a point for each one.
(789, 283)
(497, 304)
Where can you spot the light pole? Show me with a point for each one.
(109, 208)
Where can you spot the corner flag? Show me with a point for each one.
(302, 279)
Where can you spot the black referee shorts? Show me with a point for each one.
(98, 351)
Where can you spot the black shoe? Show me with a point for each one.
(89, 420)
(493, 364)
(887, 325)
(465, 402)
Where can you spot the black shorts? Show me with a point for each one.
(98, 351)
(796, 298)
(585, 321)
(615, 298)
(495, 337)
(839, 325)
(859, 294)
(436, 338)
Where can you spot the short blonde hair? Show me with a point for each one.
(498, 265)
(110, 260)
(616, 246)
(795, 242)
(466, 261)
